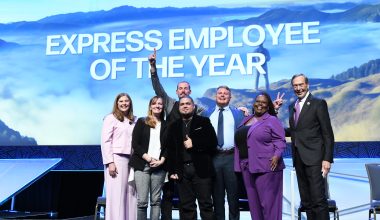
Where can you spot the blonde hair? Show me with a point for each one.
(119, 114)
(149, 120)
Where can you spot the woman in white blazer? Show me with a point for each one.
(121, 198)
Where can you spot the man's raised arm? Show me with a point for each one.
(157, 87)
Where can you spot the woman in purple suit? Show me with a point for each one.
(260, 142)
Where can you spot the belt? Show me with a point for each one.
(188, 162)
(227, 151)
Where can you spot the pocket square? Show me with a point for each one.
(198, 128)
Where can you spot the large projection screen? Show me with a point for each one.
(62, 64)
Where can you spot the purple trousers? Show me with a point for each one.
(264, 191)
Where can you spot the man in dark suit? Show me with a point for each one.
(171, 104)
(191, 145)
(312, 146)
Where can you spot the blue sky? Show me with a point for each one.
(27, 10)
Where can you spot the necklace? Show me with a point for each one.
(186, 123)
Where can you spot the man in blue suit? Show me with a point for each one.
(225, 119)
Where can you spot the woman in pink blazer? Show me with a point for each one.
(260, 142)
(121, 198)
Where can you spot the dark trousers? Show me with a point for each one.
(167, 200)
(225, 181)
(191, 188)
(312, 189)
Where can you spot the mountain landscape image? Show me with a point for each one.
(65, 64)
(358, 13)
(10, 137)
(63, 104)
(353, 98)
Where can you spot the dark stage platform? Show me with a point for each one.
(70, 190)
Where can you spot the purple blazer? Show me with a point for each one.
(265, 139)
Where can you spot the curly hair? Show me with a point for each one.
(271, 110)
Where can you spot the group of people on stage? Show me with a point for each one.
(178, 145)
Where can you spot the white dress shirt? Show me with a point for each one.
(154, 149)
(302, 101)
(228, 126)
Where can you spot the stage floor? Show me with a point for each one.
(348, 184)
(349, 187)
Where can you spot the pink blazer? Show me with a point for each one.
(116, 137)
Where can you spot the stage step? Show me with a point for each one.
(6, 214)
